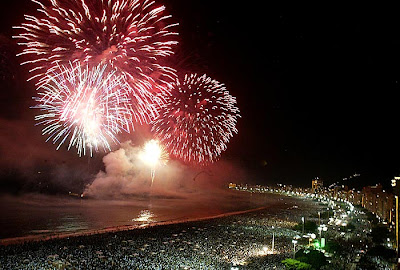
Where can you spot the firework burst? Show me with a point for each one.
(86, 106)
(132, 37)
(197, 120)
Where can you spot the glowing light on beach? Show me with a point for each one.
(265, 251)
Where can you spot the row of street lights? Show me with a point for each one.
(321, 228)
(312, 236)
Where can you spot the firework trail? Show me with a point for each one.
(132, 37)
(86, 106)
(197, 120)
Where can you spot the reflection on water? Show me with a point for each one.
(43, 215)
(72, 224)
(145, 216)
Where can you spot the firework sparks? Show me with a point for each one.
(153, 154)
(89, 106)
(130, 36)
(197, 120)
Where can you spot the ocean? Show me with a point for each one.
(42, 215)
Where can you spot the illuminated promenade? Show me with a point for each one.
(354, 230)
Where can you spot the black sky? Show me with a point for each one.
(317, 86)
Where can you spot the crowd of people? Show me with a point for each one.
(234, 242)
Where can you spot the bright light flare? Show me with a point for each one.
(153, 154)
(265, 251)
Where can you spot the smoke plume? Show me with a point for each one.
(125, 174)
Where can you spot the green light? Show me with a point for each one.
(316, 245)
(322, 242)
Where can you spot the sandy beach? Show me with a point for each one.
(214, 242)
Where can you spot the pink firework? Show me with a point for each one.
(132, 37)
(86, 107)
(197, 120)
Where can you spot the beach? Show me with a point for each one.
(210, 242)
(35, 216)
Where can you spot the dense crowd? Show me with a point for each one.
(241, 241)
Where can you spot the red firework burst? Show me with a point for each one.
(86, 106)
(197, 120)
(133, 37)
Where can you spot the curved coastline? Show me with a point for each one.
(37, 238)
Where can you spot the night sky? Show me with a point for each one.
(317, 86)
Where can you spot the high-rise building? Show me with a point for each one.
(316, 185)
(378, 201)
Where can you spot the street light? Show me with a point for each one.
(397, 228)
(273, 239)
(321, 228)
(320, 231)
(312, 237)
(396, 192)
(319, 218)
(294, 248)
(302, 219)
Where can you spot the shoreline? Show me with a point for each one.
(37, 238)
(219, 240)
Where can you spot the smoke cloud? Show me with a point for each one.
(29, 164)
(125, 174)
